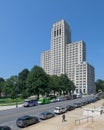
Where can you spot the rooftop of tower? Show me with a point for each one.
(60, 22)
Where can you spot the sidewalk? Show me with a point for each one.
(9, 107)
(57, 124)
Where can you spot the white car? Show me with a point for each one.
(60, 110)
(58, 99)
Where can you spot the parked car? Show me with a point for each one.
(5, 128)
(77, 104)
(96, 97)
(53, 100)
(91, 100)
(58, 99)
(84, 103)
(74, 96)
(27, 120)
(70, 107)
(60, 110)
(67, 97)
(79, 95)
(30, 102)
(46, 115)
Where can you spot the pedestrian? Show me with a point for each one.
(63, 117)
(101, 112)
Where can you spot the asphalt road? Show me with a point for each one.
(9, 117)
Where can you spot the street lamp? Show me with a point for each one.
(94, 101)
(16, 92)
(16, 103)
(101, 111)
(16, 97)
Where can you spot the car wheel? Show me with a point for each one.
(25, 125)
(34, 121)
(37, 121)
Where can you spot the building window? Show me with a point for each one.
(54, 33)
(76, 90)
(84, 90)
(57, 32)
(60, 31)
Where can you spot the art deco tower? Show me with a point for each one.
(60, 36)
(69, 58)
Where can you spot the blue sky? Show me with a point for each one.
(25, 31)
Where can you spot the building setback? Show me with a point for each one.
(69, 58)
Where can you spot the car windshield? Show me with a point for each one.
(24, 117)
(44, 113)
(75, 103)
(26, 101)
(57, 108)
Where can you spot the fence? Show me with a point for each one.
(85, 118)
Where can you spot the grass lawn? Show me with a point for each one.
(9, 101)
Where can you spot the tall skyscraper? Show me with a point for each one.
(69, 58)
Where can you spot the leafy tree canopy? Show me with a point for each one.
(99, 85)
(37, 81)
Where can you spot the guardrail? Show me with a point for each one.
(84, 118)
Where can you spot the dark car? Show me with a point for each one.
(77, 104)
(5, 128)
(70, 107)
(91, 100)
(46, 115)
(26, 121)
(30, 103)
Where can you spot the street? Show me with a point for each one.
(9, 117)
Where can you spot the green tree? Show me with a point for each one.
(66, 85)
(54, 83)
(2, 81)
(22, 77)
(11, 88)
(37, 82)
(99, 85)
